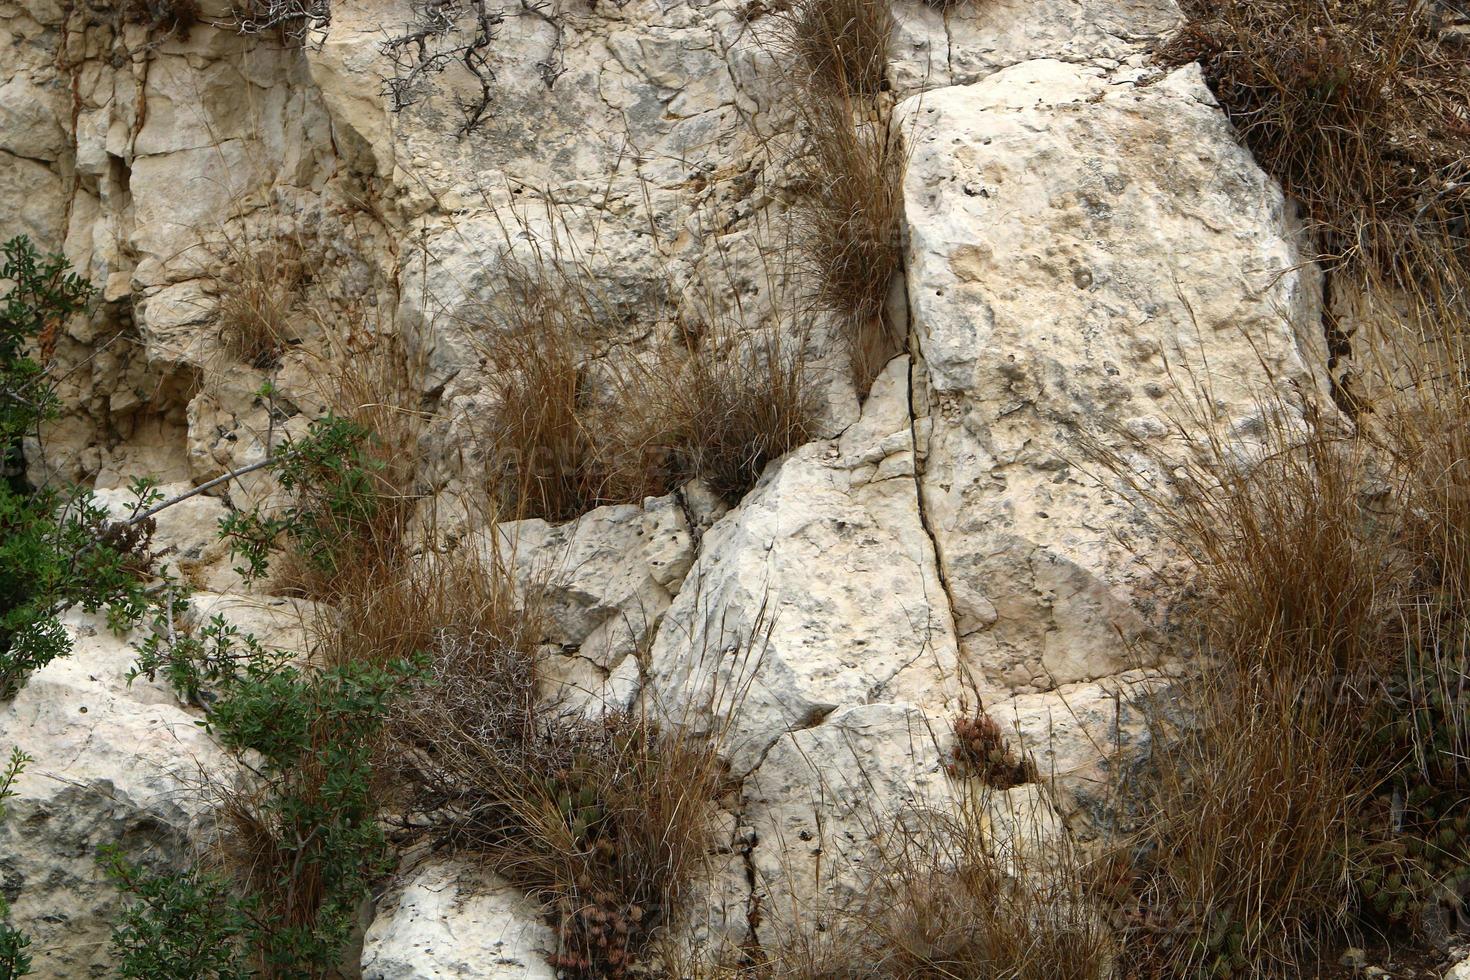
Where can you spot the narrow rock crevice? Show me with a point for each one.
(921, 455)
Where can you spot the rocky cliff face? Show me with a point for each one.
(1090, 259)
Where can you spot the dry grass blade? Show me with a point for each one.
(259, 287)
(954, 899)
(839, 46)
(848, 221)
(1359, 108)
(543, 436)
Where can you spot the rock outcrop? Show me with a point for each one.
(1093, 265)
(115, 763)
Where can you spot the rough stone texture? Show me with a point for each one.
(965, 42)
(606, 577)
(448, 919)
(114, 764)
(1082, 234)
(1081, 253)
(818, 591)
(826, 797)
(1084, 739)
(186, 534)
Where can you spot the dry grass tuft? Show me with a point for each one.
(738, 407)
(1243, 864)
(848, 222)
(259, 287)
(839, 47)
(605, 821)
(848, 216)
(718, 407)
(1315, 763)
(954, 900)
(1359, 107)
(571, 431)
(1246, 865)
(543, 438)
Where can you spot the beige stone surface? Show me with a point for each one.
(115, 764)
(1090, 262)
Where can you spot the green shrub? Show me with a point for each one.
(300, 847)
(58, 548)
(43, 295)
(330, 476)
(177, 925)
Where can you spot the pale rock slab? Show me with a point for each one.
(186, 534)
(278, 623)
(347, 69)
(606, 577)
(965, 42)
(1083, 257)
(1085, 740)
(449, 919)
(30, 120)
(825, 801)
(32, 200)
(819, 591)
(114, 764)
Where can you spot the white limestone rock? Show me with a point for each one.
(114, 764)
(605, 577)
(1081, 255)
(819, 591)
(448, 919)
(965, 42)
(825, 800)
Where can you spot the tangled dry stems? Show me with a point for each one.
(848, 215)
(604, 820)
(571, 430)
(838, 47)
(259, 287)
(1359, 107)
(849, 219)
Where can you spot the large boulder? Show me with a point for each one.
(819, 591)
(1092, 263)
(115, 764)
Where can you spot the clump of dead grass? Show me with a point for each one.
(839, 46)
(1301, 790)
(606, 820)
(1359, 108)
(543, 437)
(954, 897)
(737, 406)
(575, 426)
(847, 217)
(259, 288)
(848, 221)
